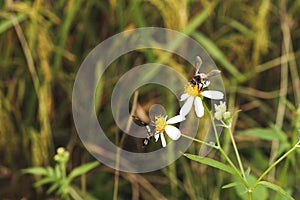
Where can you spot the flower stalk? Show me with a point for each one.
(219, 147)
(275, 163)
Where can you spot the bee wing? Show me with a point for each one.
(213, 73)
(198, 63)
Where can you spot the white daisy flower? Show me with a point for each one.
(163, 125)
(191, 95)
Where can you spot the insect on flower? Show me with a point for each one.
(201, 79)
(195, 88)
(159, 126)
(149, 128)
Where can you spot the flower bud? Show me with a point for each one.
(227, 115)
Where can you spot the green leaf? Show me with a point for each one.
(231, 185)
(260, 193)
(281, 135)
(276, 188)
(265, 134)
(44, 181)
(82, 169)
(36, 171)
(271, 134)
(211, 162)
(64, 187)
(82, 194)
(50, 171)
(53, 187)
(74, 193)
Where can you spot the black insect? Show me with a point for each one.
(202, 79)
(149, 128)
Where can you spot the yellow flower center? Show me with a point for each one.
(192, 90)
(160, 123)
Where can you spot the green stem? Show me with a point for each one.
(274, 164)
(250, 195)
(62, 166)
(214, 125)
(223, 153)
(236, 151)
(199, 141)
(237, 172)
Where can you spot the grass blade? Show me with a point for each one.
(217, 54)
(4, 26)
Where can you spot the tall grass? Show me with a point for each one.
(255, 45)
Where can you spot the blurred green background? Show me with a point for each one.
(42, 44)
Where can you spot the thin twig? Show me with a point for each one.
(117, 172)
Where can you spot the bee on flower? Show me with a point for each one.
(194, 91)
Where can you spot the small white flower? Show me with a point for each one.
(220, 110)
(191, 95)
(163, 125)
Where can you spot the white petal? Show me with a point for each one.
(185, 109)
(184, 96)
(156, 136)
(176, 119)
(199, 109)
(163, 140)
(173, 132)
(213, 94)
